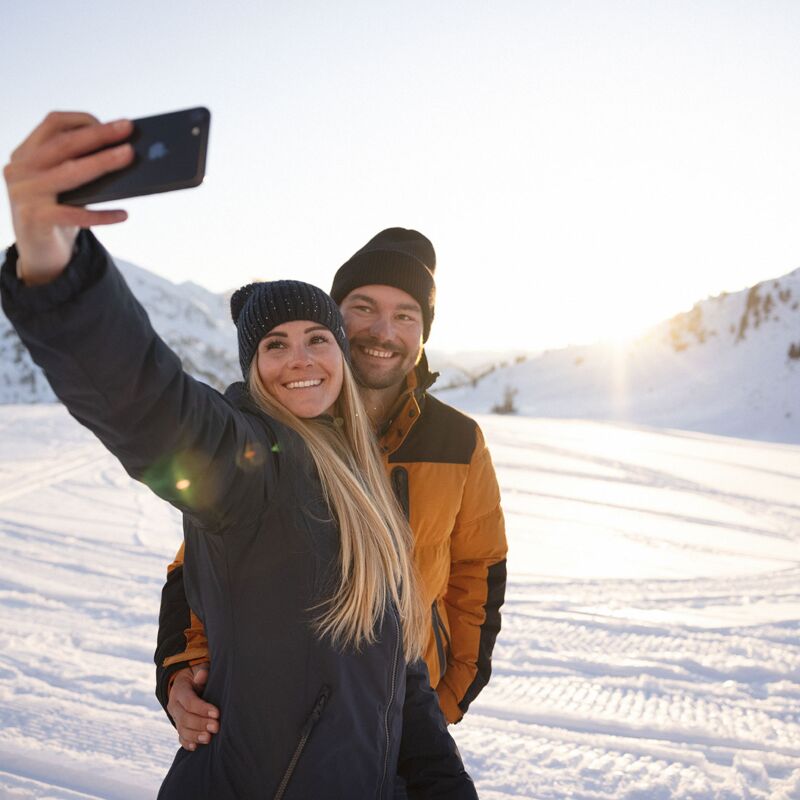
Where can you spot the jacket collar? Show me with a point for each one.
(236, 394)
(406, 411)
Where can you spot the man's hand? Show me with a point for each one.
(59, 155)
(195, 719)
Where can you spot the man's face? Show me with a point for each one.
(384, 326)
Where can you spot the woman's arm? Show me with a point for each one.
(429, 760)
(95, 343)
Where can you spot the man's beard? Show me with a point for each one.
(379, 379)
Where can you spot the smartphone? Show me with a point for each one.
(169, 153)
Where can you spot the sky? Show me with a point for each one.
(584, 169)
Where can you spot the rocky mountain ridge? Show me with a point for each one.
(196, 323)
(730, 365)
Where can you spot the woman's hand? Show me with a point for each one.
(57, 156)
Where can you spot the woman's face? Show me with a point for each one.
(300, 365)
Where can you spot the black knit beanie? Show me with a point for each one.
(395, 257)
(259, 307)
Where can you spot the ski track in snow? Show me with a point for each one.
(651, 632)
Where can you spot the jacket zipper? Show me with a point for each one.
(400, 488)
(312, 720)
(438, 630)
(442, 626)
(391, 700)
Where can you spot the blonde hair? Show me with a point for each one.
(376, 564)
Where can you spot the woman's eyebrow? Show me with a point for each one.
(286, 335)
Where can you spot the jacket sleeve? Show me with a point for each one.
(182, 638)
(116, 376)
(476, 587)
(429, 760)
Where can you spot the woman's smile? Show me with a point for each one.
(303, 384)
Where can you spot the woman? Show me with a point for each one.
(296, 554)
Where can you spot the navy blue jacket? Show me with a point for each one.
(301, 719)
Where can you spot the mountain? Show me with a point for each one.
(470, 366)
(196, 323)
(730, 365)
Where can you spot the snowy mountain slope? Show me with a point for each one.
(650, 633)
(729, 366)
(196, 323)
(465, 367)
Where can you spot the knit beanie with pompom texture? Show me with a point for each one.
(257, 308)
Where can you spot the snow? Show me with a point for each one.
(651, 633)
(725, 367)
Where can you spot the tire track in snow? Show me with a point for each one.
(785, 514)
(610, 688)
(44, 474)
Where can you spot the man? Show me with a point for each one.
(439, 468)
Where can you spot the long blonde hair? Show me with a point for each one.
(376, 565)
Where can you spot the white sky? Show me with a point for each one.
(583, 168)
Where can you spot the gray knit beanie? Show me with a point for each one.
(257, 308)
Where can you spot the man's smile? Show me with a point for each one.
(378, 353)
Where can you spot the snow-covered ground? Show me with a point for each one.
(651, 633)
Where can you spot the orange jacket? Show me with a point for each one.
(441, 471)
